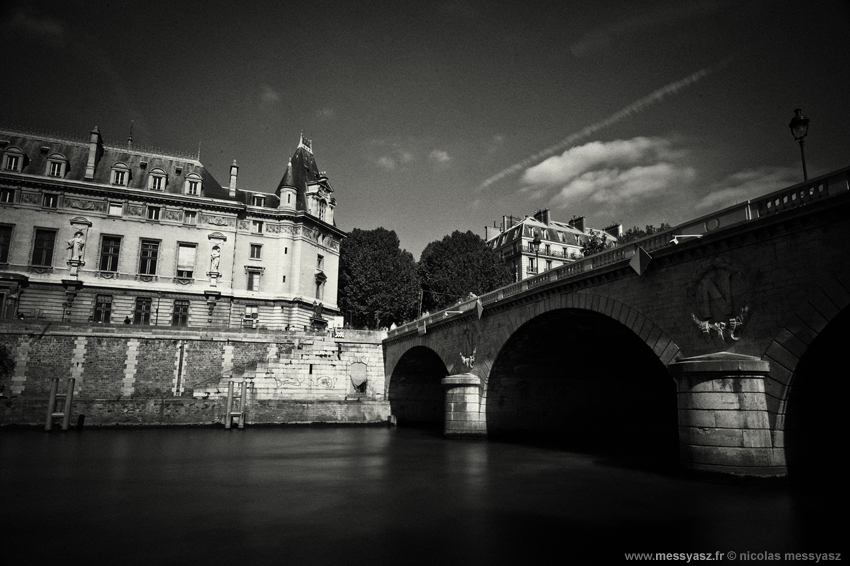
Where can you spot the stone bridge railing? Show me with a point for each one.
(774, 203)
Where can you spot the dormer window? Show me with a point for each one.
(323, 208)
(156, 180)
(192, 186)
(57, 165)
(13, 160)
(120, 174)
(258, 201)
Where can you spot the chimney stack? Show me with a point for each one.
(234, 172)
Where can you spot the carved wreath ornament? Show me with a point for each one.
(734, 326)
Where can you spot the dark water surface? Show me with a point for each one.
(307, 495)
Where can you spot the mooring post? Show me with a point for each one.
(242, 404)
(69, 402)
(229, 406)
(51, 404)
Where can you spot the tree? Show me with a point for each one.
(457, 265)
(377, 279)
(595, 243)
(635, 233)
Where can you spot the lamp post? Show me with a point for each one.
(536, 243)
(799, 128)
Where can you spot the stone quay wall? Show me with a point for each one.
(142, 375)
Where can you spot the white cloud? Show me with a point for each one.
(268, 95)
(325, 113)
(439, 156)
(579, 160)
(386, 162)
(48, 29)
(748, 184)
(623, 186)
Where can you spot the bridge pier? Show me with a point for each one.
(463, 403)
(723, 421)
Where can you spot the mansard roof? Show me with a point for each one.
(39, 148)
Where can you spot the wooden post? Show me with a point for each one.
(69, 402)
(242, 404)
(51, 404)
(229, 407)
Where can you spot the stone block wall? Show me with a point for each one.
(150, 376)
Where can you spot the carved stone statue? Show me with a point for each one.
(215, 258)
(76, 245)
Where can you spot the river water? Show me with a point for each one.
(373, 495)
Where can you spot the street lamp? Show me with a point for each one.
(799, 128)
(536, 243)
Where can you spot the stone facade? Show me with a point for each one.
(98, 232)
(134, 376)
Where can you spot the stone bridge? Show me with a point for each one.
(727, 344)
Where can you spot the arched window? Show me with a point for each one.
(13, 159)
(57, 165)
(192, 186)
(157, 180)
(120, 174)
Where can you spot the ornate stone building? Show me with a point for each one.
(91, 231)
(535, 244)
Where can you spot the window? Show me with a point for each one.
(532, 265)
(5, 243)
(320, 288)
(148, 257)
(56, 165)
(257, 226)
(548, 264)
(115, 209)
(49, 200)
(186, 260)
(548, 249)
(156, 180)
(103, 308)
(120, 174)
(254, 280)
(110, 246)
(190, 217)
(320, 262)
(13, 160)
(323, 207)
(181, 313)
(153, 213)
(42, 250)
(142, 312)
(252, 314)
(192, 186)
(256, 251)
(258, 201)
(7, 195)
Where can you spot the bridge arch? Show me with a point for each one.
(586, 369)
(414, 388)
(806, 396)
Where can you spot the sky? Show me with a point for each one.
(431, 117)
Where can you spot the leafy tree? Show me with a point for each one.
(457, 265)
(595, 243)
(635, 233)
(377, 279)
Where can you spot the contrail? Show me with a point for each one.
(632, 108)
